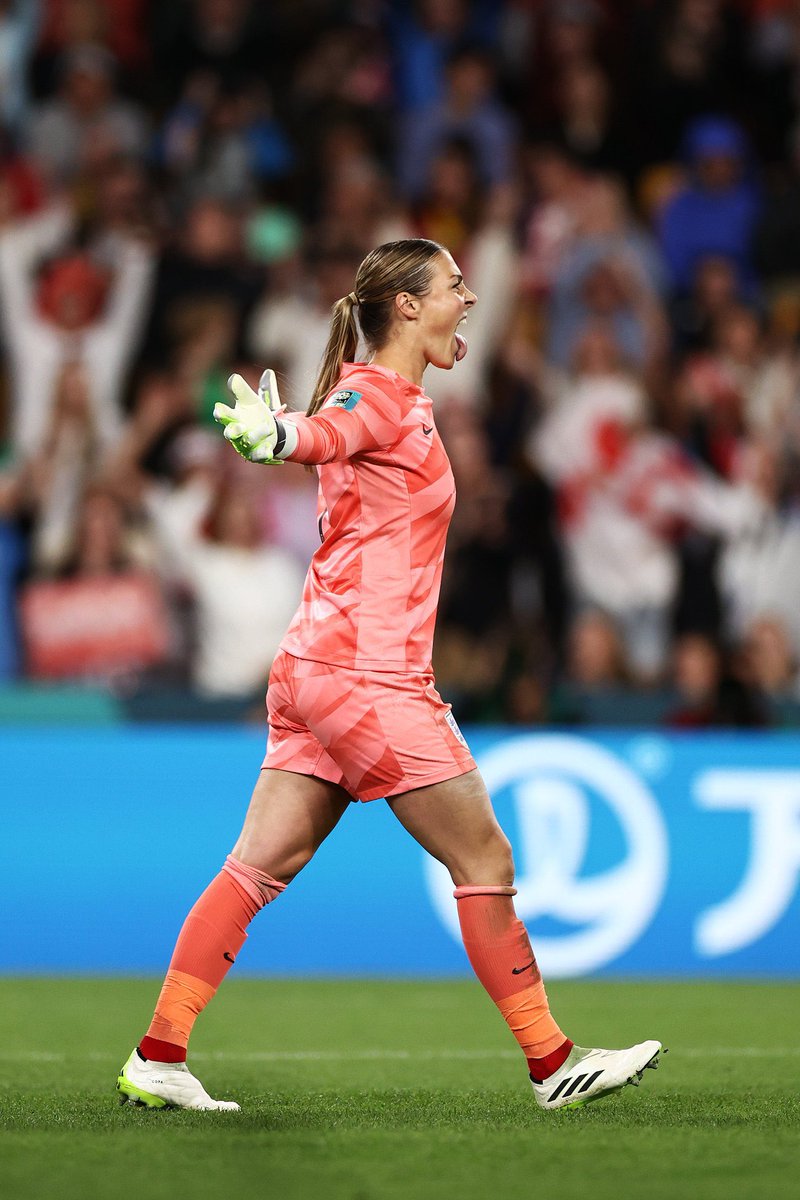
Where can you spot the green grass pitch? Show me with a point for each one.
(360, 1090)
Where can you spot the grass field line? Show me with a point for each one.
(378, 1055)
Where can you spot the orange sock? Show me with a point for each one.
(212, 935)
(499, 950)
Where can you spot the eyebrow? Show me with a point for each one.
(458, 278)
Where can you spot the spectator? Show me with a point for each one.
(346, 72)
(81, 309)
(687, 58)
(105, 619)
(86, 125)
(449, 209)
(715, 289)
(473, 640)
(758, 571)
(121, 203)
(595, 659)
(468, 110)
(355, 205)
(224, 142)
(585, 121)
(424, 35)
(706, 693)
(624, 491)
(769, 662)
(585, 407)
(564, 35)
(556, 205)
(594, 687)
(773, 60)
(735, 387)
(291, 331)
(204, 262)
(613, 274)
(244, 590)
(717, 210)
(227, 39)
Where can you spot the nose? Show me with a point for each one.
(470, 298)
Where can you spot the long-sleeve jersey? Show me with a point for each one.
(386, 495)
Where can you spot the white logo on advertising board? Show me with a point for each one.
(553, 780)
(772, 799)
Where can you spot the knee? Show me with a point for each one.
(493, 864)
(279, 862)
(502, 861)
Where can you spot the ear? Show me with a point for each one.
(407, 306)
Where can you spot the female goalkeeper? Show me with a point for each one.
(353, 710)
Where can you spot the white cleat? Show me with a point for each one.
(165, 1085)
(591, 1074)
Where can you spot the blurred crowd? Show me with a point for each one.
(186, 188)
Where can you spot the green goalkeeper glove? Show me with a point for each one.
(252, 426)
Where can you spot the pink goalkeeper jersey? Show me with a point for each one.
(386, 495)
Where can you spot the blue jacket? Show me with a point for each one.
(697, 223)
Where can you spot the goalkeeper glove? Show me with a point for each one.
(252, 426)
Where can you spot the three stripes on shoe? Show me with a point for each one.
(578, 1084)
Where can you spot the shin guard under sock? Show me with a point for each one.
(499, 950)
(212, 935)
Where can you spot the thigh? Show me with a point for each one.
(289, 817)
(456, 823)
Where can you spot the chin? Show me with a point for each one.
(445, 361)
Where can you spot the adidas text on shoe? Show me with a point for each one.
(165, 1085)
(591, 1074)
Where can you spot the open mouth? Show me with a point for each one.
(461, 342)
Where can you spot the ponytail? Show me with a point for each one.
(404, 266)
(341, 348)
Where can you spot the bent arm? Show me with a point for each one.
(22, 246)
(130, 291)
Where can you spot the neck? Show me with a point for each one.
(405, 360)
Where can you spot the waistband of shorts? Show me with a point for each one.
(376, 668)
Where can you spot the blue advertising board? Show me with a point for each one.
(637, 853)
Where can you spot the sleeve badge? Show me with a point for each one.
(345, 400)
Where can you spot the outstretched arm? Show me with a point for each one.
(258, 429)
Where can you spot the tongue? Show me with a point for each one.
(461, 343)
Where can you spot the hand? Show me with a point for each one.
(250, 426)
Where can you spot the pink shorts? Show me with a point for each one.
(375, 733)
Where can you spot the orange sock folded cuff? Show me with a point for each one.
(483, 889)
(260, 887)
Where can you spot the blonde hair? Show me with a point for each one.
(404, 266)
